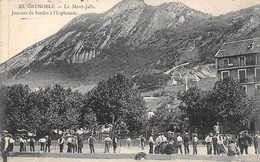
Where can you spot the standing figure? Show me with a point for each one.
(208, 141)
(69, 143)
(61, 143)
(74, 144)
(186, 140)
(31, 141)
(21, 143)
(91, 141)
(114, 143)
(11, 144)
(4, 145)
(48, 144)
(80, 144)
(107, 143)
(215, 144)
(195, 144)
(42, 142)
(128, 141)
(245, 142)
(179, 143)
(151, 142)
(142, 140)
(256, 139)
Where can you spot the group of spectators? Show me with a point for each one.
(235, 146)
(165, 143)
(171, 143)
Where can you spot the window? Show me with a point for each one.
(244, 88)
(242, 75)
(242, 61)
(226, 62)
(225, 74)
(257, 59)
(257, 87)
(257, 74)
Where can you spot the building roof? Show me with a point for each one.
(239, 47)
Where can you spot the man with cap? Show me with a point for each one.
(179, 143)
(195, 143)
(256, 139)
(208, 141)
(107, 143)
(61, 141)
(4, 145)
(151, 142)
(245, 142)
(186, 140)
(91, 141)
(48, 144)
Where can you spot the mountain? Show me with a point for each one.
(131, 38)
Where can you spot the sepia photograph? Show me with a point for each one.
(127, 80)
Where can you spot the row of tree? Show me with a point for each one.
(112, 101)
(116, 101)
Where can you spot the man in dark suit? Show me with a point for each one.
(245, 142)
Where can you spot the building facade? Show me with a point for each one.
(240, 60)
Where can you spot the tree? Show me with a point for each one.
(196, 105)
(226, 103)
(167, 119)
(114, 101)
(231, 103)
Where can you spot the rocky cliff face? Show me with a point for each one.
(130, 37)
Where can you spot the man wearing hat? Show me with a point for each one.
(4, 145)
(48, 144)
(151, 142)
(186, 140)
(107, 143)
(256, 139)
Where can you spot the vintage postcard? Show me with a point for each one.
(125, 80)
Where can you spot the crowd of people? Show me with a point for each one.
(164, 143)
(173, 143)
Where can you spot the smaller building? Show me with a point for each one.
(240, 60)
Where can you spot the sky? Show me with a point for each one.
(18, 32)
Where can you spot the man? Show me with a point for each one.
(208, 141)
(11, 144)
(195, 144)
(151, 142)
(61, 143)
(232, 149)
(129, 141)
(48, 144)
(245, 142)
(179, 143)
(42, 142)
(142, 140)
(4, 145)
(107, 143)
(186, 140)
(69, 142)
(91, 141)
(215, 144)
(256, 142)
(31, 141)
(80, 144)
(114, 143)
(22, 143)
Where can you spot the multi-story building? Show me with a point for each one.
(240, 60)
